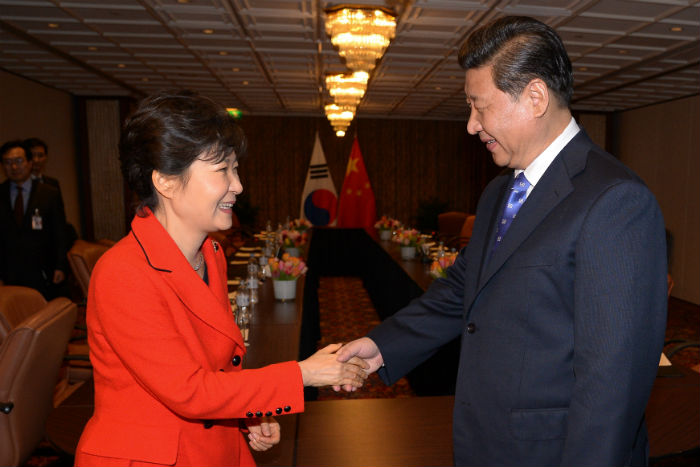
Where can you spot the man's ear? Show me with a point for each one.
(164, 184)
(537, 94)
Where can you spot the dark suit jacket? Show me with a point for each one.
(28, 256)
(50, 181)
(561, 329)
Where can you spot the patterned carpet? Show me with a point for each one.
(346, 314)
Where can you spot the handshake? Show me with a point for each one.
(342, 366)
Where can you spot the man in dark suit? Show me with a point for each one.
(32, 236)
(561, 309)
(39, 152)
(40, 155)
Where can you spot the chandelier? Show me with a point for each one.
(361, 33)
(340, 117)
(347, 89)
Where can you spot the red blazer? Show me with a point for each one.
(166, 352)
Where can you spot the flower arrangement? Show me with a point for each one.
(288, 268)
(407, 237)
(300, 225)
(387, 223)
(293, 238)
(439, 267)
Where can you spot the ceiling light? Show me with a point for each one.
(235, 69)
(245, 83)
(347, 89)
(53, 25)
(208, 31)
(92, 48)
(223, 52)
(121, 65)
(234, 112)
(144, 79)
(361, 33)
(676, 29)
(340, 117)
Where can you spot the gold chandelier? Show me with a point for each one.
(340, 117)
(347, 89)
(361, 33)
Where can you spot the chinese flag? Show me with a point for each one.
(356, 206)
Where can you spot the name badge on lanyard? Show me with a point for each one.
(37, 221)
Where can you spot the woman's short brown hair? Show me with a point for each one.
(168, 132)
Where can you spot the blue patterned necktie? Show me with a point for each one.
(518, 193)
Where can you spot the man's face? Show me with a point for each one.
(39, 158)
(17, 167)
(503, 123)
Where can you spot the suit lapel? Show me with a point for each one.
(208, 302)
(554, 186)
(488, 240)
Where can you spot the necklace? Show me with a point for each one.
(200, 262)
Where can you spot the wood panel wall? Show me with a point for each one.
(29, 109)
(662, 144)
(407, 161)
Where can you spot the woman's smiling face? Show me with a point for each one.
(204, 200)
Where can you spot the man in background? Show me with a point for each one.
(32, 233)
(40, 156)
(561, 309)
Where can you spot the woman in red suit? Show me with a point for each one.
(166, 352)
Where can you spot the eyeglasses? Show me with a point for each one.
(18, 161)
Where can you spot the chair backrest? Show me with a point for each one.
(82, 258)
(30, 359)
(450, 223)
(17, 304)
(466, 233)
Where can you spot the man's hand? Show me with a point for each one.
(264, 433)
(363, 348)
(324, 369)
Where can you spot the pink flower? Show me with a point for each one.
(439, 267)
(407, 237)
(387, 223)
(288, 268)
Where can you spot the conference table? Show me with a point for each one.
(380, 432)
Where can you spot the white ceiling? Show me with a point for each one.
(269, 57)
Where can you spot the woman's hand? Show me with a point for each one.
(264, 433)
(324, 369)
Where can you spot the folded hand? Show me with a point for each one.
(264, 433)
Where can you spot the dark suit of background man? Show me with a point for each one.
(32, 236)
(39, 151)
(561, 321)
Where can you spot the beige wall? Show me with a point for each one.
(662, 144)
(595, 126)
(28, 109)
